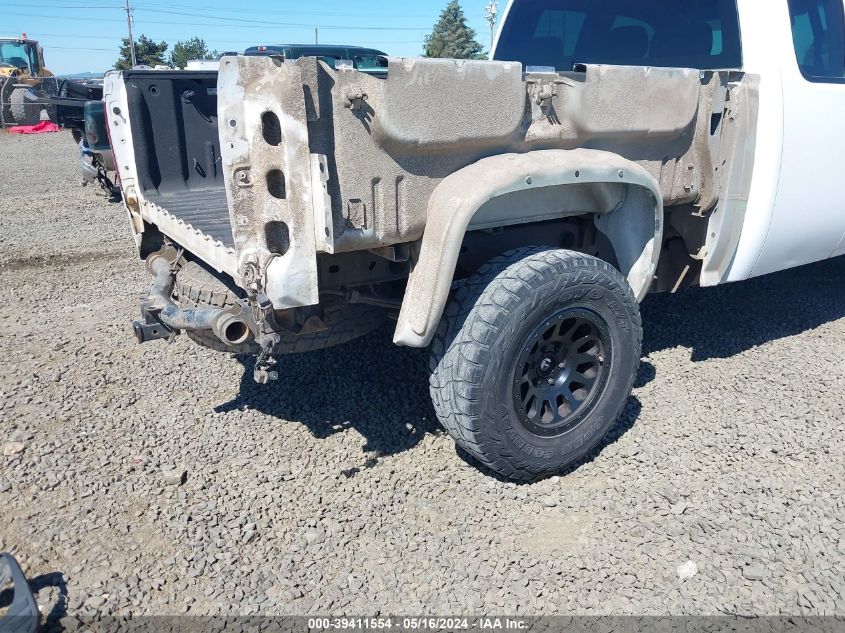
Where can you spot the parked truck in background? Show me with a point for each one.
(510, 214)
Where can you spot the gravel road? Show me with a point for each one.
(335, 491)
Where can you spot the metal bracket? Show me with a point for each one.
(150, 328)
(355, 98)
(395, 253)
(262, 309)
(545, 95)
(264, 372)
(251, 274)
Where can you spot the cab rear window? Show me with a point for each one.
(700, 34)
(818, 31)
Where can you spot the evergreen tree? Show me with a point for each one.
(147, 52)
(452, 37)
(185, 51)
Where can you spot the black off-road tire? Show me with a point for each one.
(198, 287)
(479, 359)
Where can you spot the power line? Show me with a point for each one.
(75, 7)
(74, 48)
(228, 22)
(81, 19)
(229, 10)
(75, 36)
(35, 35)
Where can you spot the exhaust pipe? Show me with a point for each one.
(162, 317)
(231, 330)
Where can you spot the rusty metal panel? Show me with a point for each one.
(390, 142)
(481, 103)
(267, 169)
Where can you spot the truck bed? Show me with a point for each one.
(205, 211)
(174, 121)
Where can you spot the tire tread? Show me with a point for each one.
(466, 333)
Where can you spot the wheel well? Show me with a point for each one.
(577, 233)
(624, 199)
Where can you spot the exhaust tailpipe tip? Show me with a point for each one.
(232, 330)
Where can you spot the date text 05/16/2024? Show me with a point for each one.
(418, 624)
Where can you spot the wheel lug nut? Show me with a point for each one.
(561, 365)
(551, 381)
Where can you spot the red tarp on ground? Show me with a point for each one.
(44, 127)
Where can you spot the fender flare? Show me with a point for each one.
(634, 224)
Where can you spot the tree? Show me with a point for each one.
(185, 51)
(147, 52)
(451, 37)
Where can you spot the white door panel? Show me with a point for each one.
(809, 216)
(808, 221)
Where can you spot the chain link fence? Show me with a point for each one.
(21, 100)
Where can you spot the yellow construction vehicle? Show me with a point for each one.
(21, 68)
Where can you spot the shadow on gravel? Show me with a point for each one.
(370, 385)
(727, 320)
(55, 584)
(381, 390)
(376, 388)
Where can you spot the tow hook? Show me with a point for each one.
(264, 372)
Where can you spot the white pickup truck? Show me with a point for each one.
(509, 213)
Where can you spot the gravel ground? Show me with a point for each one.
(335, 491)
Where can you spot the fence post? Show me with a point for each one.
(3, 105)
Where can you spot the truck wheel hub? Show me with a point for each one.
(546, 366)
(561, 372)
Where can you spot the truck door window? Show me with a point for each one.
(561, 33)
(818, 32)
(370, 62)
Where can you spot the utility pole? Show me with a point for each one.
(131, 39)
(316, 35)
(491, 15)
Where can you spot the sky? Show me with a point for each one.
(85, 35)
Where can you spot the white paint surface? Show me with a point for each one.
(796, 212)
